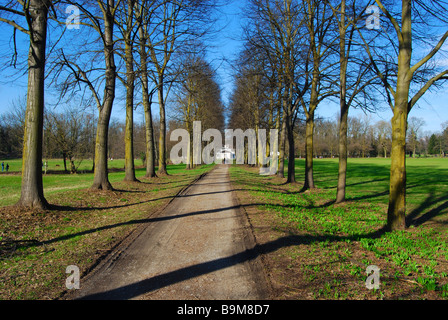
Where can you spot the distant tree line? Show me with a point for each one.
(70, 135)
(368, 139)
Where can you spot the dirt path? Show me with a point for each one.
(199, 247)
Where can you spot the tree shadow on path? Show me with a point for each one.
(160, 281)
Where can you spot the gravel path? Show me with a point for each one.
(199, 247)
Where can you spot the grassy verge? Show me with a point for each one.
(37, 246)
(56, 180)
(315, 249)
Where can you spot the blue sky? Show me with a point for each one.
(433, 108)
(228, 44)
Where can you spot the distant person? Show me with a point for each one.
(3, 166)
(7, 167)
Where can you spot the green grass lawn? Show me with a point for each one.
(15, 165)
(371, 176)
(333, 241)
(58, 181)
(327, 247)
(368, 180)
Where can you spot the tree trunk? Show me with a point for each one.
(129, 131)
(281, 165)
(162, 139)
(32, 193)
(100, 179)
(72, 166)
(309, 145)
(291, 155)
(342, 175)
(147, 103)
(396, 213)
(64, 156)
(189, 164)
(343, 120)
(270, 124)
(150, 156)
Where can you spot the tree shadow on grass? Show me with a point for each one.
(56, 207)
(432, 207)
(149, 181)
(36, 243)
(69, 208)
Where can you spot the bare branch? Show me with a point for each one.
(431, 54)
(421, 92)
(20, 13)
(391, 19)
(15, 25)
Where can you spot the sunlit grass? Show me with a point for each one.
(421, 252)
(58, 182)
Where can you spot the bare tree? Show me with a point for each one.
(144, 17)
(68, 133)
(127, 23)
(409, 21)
(384, 136)
(36, 14)
(355, 76)
(414, 126)
(277, 29)
(198, 98)
(98, 16)
(318, 24)
(13, 124)
(171, 26)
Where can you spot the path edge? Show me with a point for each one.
(125, 242)
(257, 265)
